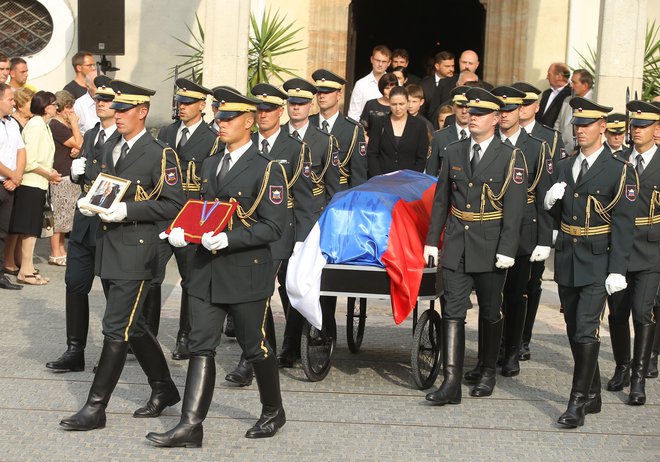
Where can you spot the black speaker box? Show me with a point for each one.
(101, 26)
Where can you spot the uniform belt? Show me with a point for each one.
(645, 221)
(476, 216)
(591, 231)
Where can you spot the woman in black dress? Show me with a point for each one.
(379, 107)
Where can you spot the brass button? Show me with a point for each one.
(575, 240)
(467, 227)
(598, 191)
(214, 252)
(468, 206)
(490, 179)
(534, 220)
(193, 158)
(240, 193)
(256, 260)
(105, 228)
(574, 217)
(94, 161)
(470, 184)
(141, 241)
(576, 195)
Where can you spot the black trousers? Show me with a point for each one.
(79, 273)
(207, 319)
(123, 312)
(184, 258)
(638, 298)
(583, 311)
(6, 205)
(458, 286)
(517, 278)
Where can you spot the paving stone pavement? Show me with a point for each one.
(366, 409)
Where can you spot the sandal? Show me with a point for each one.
(57, 261)
(32, 280)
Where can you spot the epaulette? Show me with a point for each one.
(549, 128)
(455, 142)
(439, 130)
(296, 139)
(353, 121)
(264, 157)
(320, 131)
(162, 144)
(621, 159)
(535, 138)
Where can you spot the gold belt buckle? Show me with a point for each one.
(575, 230)
(468, 216)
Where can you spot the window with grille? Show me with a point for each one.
(26, 27)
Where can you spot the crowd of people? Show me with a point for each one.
(519, 171)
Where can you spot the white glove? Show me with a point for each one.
(615, 282)
(78, 167)
(296, 248)
(84, 211)
(555, 233)
(431, 251)
(504, 262)
(177, 237)
(117, 213)
(211, 242)
(540, 253)
(555, 193)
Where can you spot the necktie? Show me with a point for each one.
(101, 139)
(463, 134)
(583, 170)
(476, 152)
(325, 127)
(224, 168)
(296, 135)
(264, 147)
(640, 164)
(123, 153)
(183, 140)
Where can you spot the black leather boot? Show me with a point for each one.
(92, 414)
(229, 326)
(197, 397)
(644, 334)
(77, 325)
(513, 330)
(164, 393)
(533, 301)
(492, 339)
(474, 375)
(151, 309)
(291, 344)
(243, 374)
(586, 359)
(453, 355)
(272, 413)
(181, 350)
(594, 400)
(652, 371)
(620, 336)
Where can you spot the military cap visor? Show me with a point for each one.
(300, 91)
(327, 81)
(616, 123)
(232, 104)
(99, 96)
(482, 101)
(531, 92)
(189, 92)
(586, 112)
(642, 114)
(270, 97)
(458, 96)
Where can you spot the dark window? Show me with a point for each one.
(25, 27)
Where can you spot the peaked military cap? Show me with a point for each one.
(643, 114)
(482, 101)
(586, 112)
(103, 90)
(129, 95)
(271, 97)
(531, 92)
(189, 92)
(300, 91)
(327, 81)
(232, 103)
(458, 95)
(511, 97)
(215, 102)
(616, 123)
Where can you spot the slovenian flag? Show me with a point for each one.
(383, 223)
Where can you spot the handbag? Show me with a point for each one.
(48, 222)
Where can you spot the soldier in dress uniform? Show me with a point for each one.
(127, 257)
(528, 122)
(459, 130)
(615, 132)
(327, 179)
(643, 276)
(233, 273)
(480, 196)
(193, 141)
(594, 199)
(278, 145)
(79, 274)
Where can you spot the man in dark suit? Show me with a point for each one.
(106, 197)
(79, 274)
(643, 276)
(595, 204)
(400, 58)
(233, 273)
(294, 155)
(193, 141)
(443, 68)
(553, 97)
(127, 257)
(480, 196)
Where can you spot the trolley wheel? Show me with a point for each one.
(425, 352)
(355, 323)
(316, 351)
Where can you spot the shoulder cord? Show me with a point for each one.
(318, 179)
(142, 195)
(240, 212)
(603, 212)
(554, 144)
(655, 201)
(531, 191)
(496, 200)
(349, 154)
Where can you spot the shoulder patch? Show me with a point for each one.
(171, 176)
(631, 192)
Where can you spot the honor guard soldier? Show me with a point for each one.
(278, 145)
(326, 176)
(233, 273)
(528, 110)
(79, 274)
(127, 257)
(349, 133)
(615, 133)
(594, 200)
(480, 197)
(643, 276)
(457, 131)
(193, 140)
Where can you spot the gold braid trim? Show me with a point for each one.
(496, 199)
(537, 178)
(214, 149)
(554, 144)
(318, 179)
(655, 201)
(193, 182)
(349, 154)
(603, 212)
(240, 212)
(142, 195)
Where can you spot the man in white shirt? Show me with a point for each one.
(367, 87)
(551, 99)
(85, 106)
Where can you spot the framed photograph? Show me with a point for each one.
(106, 191)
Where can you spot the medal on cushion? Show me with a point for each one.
(205, 216)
